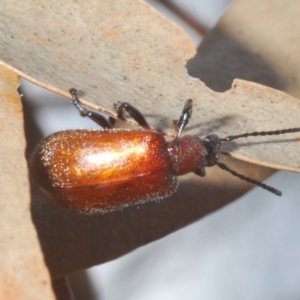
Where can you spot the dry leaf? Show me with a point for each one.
(23, 274)
(123, 50)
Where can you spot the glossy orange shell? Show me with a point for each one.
(94, 171)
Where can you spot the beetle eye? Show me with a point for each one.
(213, 144)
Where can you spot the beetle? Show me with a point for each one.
(97, 171)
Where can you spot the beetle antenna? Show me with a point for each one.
(248, 179)
(256, 133)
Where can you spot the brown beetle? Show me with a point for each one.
(96, 171)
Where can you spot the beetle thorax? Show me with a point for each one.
(193, 153)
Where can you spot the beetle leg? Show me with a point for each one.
(132, 111)
(200, 172)
(96, 117)
(184, 118)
